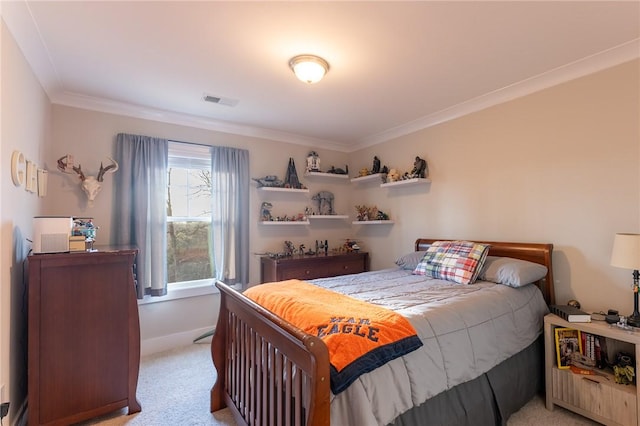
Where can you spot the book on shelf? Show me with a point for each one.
(594, 347)
(570, 313)
(568, 343)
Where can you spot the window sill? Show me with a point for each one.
(182, 292)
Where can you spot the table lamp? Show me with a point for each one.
(626, 254)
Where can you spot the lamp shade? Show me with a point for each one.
(626, 251)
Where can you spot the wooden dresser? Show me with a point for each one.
(84, 336)
(315, 266)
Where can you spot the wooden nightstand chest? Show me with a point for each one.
(314, 266)
(595, 396)
(84, 335)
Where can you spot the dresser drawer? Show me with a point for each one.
(350, 266)
(304, 272)
(597, 395)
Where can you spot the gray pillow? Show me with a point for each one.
(511, 272)
(410, 260)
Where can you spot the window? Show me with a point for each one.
(189, 248)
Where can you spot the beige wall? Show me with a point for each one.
(558, 166)
(26, 118)
(90, 136)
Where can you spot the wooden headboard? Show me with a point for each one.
(533, 252)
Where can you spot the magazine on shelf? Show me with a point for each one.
(568, 342)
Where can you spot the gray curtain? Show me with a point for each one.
(140, 216)
(230, 214)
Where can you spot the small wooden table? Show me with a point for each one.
(595, 396)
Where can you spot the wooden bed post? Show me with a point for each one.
(218, 355)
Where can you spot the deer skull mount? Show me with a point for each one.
(91, 185)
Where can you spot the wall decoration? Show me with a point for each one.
(26, 172)
(291, 178)
(269, 181)
(313, 162)
(323, 201)
(91, 185)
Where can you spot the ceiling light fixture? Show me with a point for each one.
(309, 68)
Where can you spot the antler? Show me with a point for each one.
(78, 170)
(62, 164)
(111, 168)
(63, 167)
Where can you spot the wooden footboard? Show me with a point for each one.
(266, 367)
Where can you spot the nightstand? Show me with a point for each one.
(595, 396)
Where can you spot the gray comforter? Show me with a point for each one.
(466, 330)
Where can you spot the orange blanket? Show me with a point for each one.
(360, 336)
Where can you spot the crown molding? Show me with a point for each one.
(582, 67)
(76, 100)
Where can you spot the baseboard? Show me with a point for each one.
(171, 341)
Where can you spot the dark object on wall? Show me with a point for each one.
(376, 165)
(313, 162)
(339, 171)
(291, 179)
(324, 202)
(419, 168)
(269, 181)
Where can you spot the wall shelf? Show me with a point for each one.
(325, 175)
(284, 222)
(406, 182)
(278, 189)
(328, 216)
(372, 222)
(368, 178)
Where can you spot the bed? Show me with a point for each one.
(270, 372)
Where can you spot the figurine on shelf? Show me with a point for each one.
(269, 181)
(382, 215)
(393, 176)
(419, 168)
(265, 212)
(291, 178)
(313, 162)
(351, 246)
(324, 202)
(376, 165)
(362, 213)
(365, 213)
(288, 248)
(339, 171)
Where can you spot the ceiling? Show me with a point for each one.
(396, 66)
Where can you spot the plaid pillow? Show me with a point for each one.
(457, 261)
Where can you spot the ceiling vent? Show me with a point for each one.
(220, 100)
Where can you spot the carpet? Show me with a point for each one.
(173, 389)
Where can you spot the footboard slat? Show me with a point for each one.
(269, 372)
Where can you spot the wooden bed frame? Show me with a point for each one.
(272, 373)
